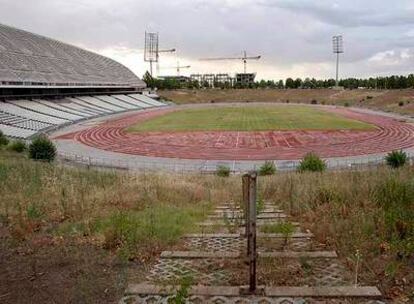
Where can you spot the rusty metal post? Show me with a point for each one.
(252, 232)
(246, 198)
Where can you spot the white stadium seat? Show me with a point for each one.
(132, 100)
(16, 132)
(147, 99)
(40, 108)
(115, 101)
(18, 111)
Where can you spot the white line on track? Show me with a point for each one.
(237, 140)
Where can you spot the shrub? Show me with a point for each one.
(396, 159)
(268, 168)
(42, 148)
(369, 97)
(18, 146)
(223, 171)
(401, 103)
(314, 102)
(3, 139)
(312, 162)
(346, 104)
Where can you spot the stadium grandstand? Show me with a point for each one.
(46, 84)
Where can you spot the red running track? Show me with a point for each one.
(389, 135)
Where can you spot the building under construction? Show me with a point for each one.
(213, 80)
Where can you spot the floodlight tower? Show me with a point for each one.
(338, 48)
(152, 51)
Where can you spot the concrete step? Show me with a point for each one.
(298, 235)
(234, 255)
(273, 291)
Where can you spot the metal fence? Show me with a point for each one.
(209, 166)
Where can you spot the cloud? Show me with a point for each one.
(293, 37)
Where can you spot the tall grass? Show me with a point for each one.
(370, 212)
(120, 209)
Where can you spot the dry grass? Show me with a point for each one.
(371, 212)
(137, 216)
(386, 100)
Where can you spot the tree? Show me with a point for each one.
(298, 83)
(149, 80)
(290, 83)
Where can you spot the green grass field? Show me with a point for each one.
(259, 118)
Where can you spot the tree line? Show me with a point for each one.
(387, 82)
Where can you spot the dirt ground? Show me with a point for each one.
(386, 100)
(54, 270)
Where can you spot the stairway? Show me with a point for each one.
(292, 267)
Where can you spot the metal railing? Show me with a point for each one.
(209, 166)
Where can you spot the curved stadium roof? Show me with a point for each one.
(30, 60)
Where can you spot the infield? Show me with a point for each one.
(259, 118)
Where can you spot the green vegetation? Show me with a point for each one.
(182, 294)
(268, 168)
(286, 228)
(396, 159)
(18, 146)
(396, 198)
(312, 162)
(258, 118)
(223, 171)
(389, 82)
(135, 217)
(152, 227)
(3, 139)
(42, 148)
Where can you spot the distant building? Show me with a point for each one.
(179, 79)
(214, 80)
(245, 79)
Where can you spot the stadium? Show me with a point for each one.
(144, 192)
(50, 87)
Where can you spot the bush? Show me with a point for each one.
(3, 139)
(313, 163)
(314, 102)
(396, 159)
(268, 168)
(42, 148)
(369, 97)
(401, 103)
(346, 104)
(223, 171)
(18, 146)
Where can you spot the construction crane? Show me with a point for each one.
(244, 58)
(178, 67)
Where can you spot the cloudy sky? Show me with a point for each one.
(293, 36)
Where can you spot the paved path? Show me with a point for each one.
(291, 270)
